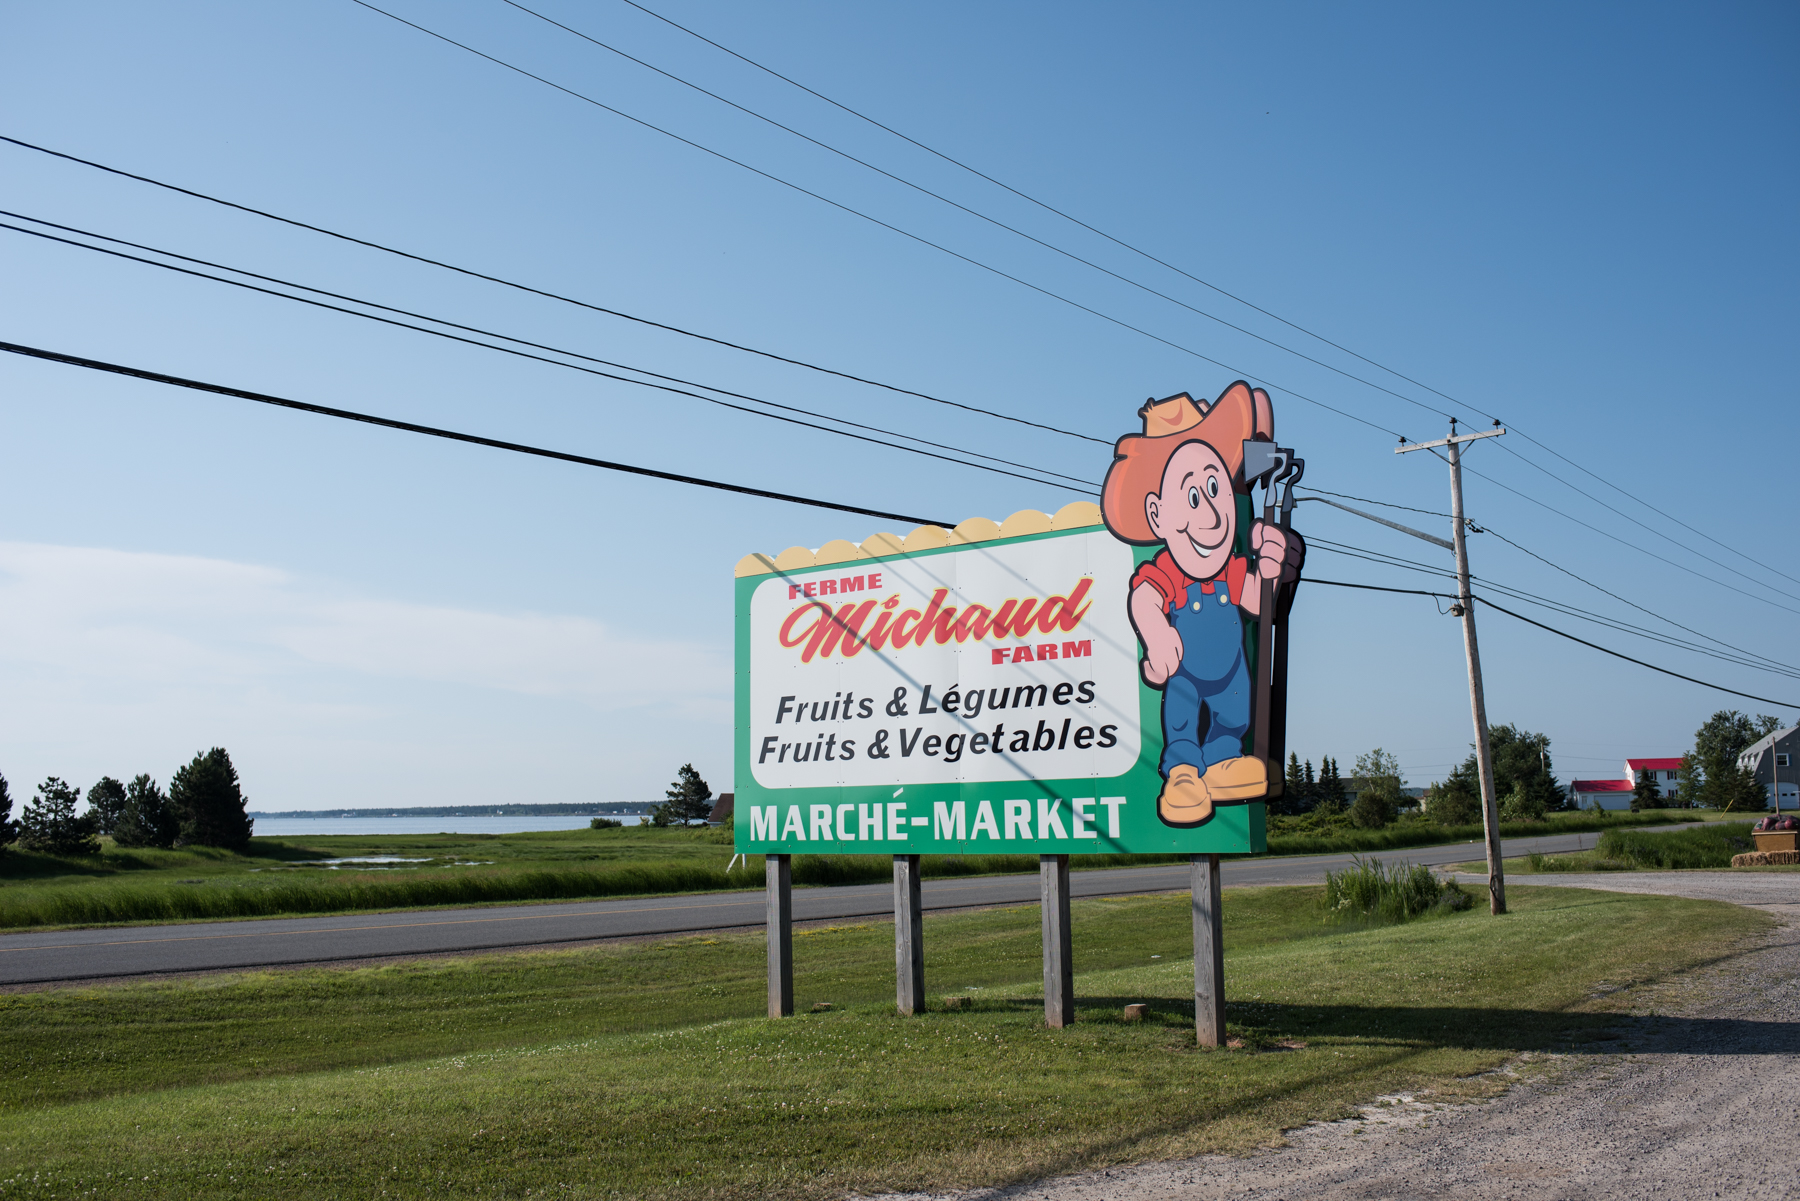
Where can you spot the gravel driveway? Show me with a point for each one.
(1683, 1111)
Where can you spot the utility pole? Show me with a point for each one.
(1465, 608)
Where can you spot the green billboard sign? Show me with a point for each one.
(1069, 685)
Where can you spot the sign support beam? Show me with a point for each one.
(1209, 952)
(1059, 965)
(778, 871)
(909, 936)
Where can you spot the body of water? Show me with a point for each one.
(301, 827)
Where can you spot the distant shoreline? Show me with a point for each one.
(610, 809)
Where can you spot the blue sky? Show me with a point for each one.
(1578, 220)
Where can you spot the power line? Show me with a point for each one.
(1559, 633)
(1640, 500)
(973, 262)
(540, 358)
(996, 223)
(1653, 667)
(1736, 650)
(1634, 521)
(158, 377)
(1051, 208)
(1737, 658)
(494, 279)
(1633, 546)
(958, 163)
(1584, 580)
(540, 452)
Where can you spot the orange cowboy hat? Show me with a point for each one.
(1241, 413)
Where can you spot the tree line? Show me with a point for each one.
(204, 806)
(1709, 776)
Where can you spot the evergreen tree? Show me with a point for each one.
(146, 819)
(1690, 792)
(1293, 789)
(1645, 794)
(1311, 795)
(689, 799)
(208, 804)
(1331, 787)
(9, 829)
(105, 802)
(49, 823)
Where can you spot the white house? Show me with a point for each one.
(1602, 794)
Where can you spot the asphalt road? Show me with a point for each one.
(72, 955)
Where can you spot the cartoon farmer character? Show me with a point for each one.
(1176, 484)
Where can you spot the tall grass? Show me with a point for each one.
(1711, 845)
(1370, 891)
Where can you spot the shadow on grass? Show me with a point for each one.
(1263, 1025)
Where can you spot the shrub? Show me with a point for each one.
(1522, 804)
(606, 823)
(1452, 806)
(49, 823)
(1369, 890)
(1374, 809)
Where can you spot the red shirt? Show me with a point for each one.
(1172, 583)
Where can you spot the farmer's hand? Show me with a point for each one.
(1277, 554)
(1162, 645)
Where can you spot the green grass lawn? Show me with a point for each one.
(646, 1070)
(276, 878)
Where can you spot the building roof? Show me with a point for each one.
(1601, 785)
(1767, 741)
(722, 807)
(1652, 764)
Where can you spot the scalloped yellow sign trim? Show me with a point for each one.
(927, 537)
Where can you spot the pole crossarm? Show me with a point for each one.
(1404, 529)
(1450, 441)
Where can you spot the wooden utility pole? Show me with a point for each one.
(1465, 608)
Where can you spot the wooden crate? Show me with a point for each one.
(1777, 840)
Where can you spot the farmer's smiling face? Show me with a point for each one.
(1195, 513)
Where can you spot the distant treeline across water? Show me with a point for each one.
(611, 808)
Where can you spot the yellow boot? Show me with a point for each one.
(1242, 779)
(1185, 801)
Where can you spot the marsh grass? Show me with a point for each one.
(644, 1071)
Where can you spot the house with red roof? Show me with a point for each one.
(1602, 794)
(1661, 770)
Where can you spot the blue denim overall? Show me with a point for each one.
(1212, 674)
